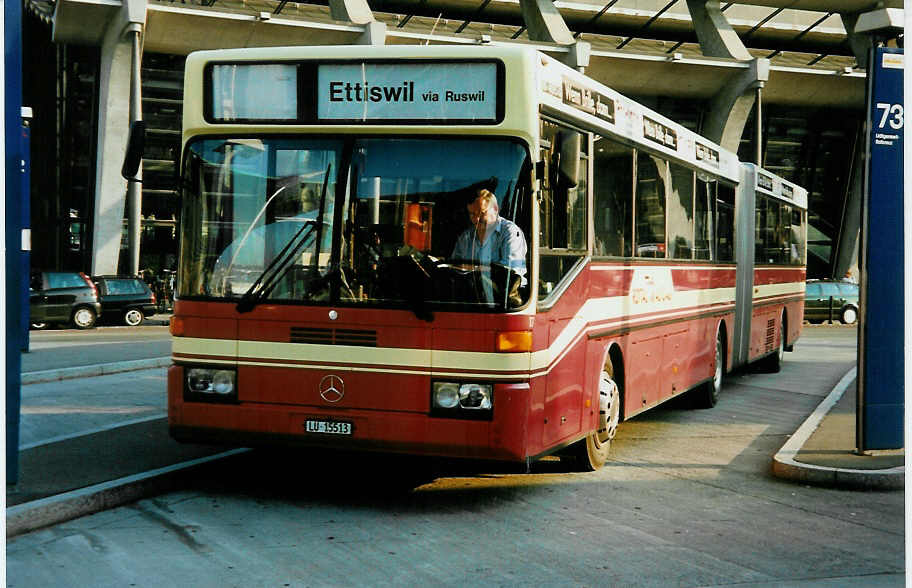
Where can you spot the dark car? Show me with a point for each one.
(831, 300)
(62, 297)
(125, 299)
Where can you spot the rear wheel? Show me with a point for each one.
(133, 317)
(707, 395)
(591, 453)
(84, 318)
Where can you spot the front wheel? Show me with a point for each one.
(38, 326)
(84, 318)
(133, 317)
(591, 453)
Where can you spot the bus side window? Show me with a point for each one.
(651, 182)
(725, 223)
(612, 184)
(704, 219)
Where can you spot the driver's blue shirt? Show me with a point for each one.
(504, 244)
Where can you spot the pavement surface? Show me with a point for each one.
(72, 476)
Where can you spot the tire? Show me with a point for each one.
(591, 453)
(849, 315)
(84, 318)
(707, 395)
(38, 326)
(133, 317)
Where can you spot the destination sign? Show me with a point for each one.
(587, 100)
(364, 92)
(765, 182)
(656, 131)
(706, 154)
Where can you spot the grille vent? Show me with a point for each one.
(333, 336)
(770, 334)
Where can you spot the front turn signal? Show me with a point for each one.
(514, 341)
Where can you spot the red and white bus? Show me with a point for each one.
(322, 300)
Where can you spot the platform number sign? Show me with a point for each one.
(891, 115)
(881, 356)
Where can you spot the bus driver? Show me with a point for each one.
(492, 238)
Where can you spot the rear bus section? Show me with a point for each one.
(366, 380)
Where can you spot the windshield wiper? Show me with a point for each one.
(267, 280)
(277, 268)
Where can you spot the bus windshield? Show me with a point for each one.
(381, 221)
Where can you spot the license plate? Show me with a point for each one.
(328, 427)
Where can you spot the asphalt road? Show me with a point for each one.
(686, 500)
(59, 348)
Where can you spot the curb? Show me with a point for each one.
(785, 466)
(52, 510)
(98, 369)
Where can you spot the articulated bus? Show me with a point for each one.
(326, 297)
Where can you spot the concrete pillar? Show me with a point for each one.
(353, 11)
(544, 22)
(845, 258)
(374, 34)
(717, 37)
(729, 109)
(859, 43)
(113, 128)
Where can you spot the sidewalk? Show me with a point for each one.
(81, 475)
(823, 450)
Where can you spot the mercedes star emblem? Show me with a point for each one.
(332, 388)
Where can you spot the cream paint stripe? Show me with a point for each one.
(656, 267)
(596, 314)
(432, 373)
(764, 290)
(194, 345)
(335, 353)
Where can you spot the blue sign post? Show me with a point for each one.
(14, 280)
(881, 332)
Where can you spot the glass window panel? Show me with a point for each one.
(680, 212)
(613, 194)
(725, 224)
(652, 175)
(704, 217)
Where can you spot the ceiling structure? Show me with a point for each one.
(641, 47)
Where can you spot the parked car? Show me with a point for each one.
(125, 299)
(831, 300)
(62, 297)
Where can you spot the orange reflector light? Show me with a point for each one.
(514, 341)
(176, 328)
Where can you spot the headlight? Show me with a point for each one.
(476, 396)
(446, 394)
(462, 400)
(211, 384)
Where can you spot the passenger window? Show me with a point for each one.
(680, 212)
(704, 216)
(612, 185)
(725, 223)
(652, 176)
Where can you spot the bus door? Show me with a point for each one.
(562, 285)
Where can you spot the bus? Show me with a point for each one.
(337, 289)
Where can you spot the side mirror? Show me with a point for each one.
(136, 144)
